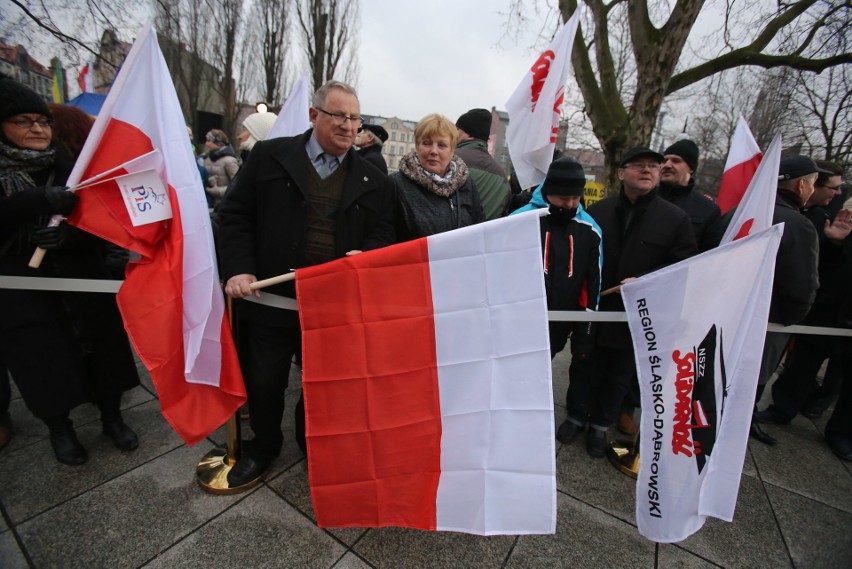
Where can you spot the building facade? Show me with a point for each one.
(17, 64)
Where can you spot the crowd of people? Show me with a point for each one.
(287, 203)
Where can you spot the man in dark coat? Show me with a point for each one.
(641, 233)
(488, 176)
(369, 141)
(297, 202)
(677, 185)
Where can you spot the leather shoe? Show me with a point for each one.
(122, 436)
(568, 432)
(596, 443)
(246, 470)
(771, 416)
(756, 432)
(840, 445)
(626, 424)
(67, 448)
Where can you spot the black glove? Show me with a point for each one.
(60, 200)
(51, 237)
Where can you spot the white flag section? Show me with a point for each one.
(294, 118)
(754, 213)
(535, 106)
(698, 329)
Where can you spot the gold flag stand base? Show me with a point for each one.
(624, 455)
(212, 471)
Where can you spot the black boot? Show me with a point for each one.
(114, 427)
(66, 446)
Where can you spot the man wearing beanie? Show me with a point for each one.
(642, 233)
(369, 141)
(488, 176)
(572, 247)
(677, 185)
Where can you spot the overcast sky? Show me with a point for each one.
(445, 56)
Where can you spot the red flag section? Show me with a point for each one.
(395, 483)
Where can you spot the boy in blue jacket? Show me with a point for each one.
(572, 248)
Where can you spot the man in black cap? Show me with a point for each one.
(488, 176)
(369, 141)
(677, 185)
(796, 280)
(642, 233)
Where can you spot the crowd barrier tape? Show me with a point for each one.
(275, 301)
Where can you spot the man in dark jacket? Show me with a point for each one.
(641, 233)
(369, 141)
(488, 176)
(677, 185)
(297, 202)
(796, 277)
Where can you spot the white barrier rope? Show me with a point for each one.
(275, 301)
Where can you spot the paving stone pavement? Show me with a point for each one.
(145, 509)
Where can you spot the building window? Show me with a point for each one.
(393, 125)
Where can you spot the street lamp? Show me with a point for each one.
(261, 107)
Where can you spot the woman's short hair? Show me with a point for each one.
(436, 125)
(217, 136)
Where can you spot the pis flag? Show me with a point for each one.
(427, 384)
(536, 106)
(171, 300)
(145, 196)
(698, 329)
(294, 118)
(743, 159)
(755, 210)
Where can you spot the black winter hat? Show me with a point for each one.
(637, 151)
(687, 150)
(476, 122)
(794, 166)
(565, 177)
(378, 131)
(16, 98)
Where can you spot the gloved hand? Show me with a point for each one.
(60, 200)
(51, 237)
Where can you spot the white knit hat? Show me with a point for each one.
(259, 124)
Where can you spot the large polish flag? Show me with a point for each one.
(743, 159)
(171, 299)
(755, 210)
(536, 106)
(427, 384)
(698, 329)
(294, 118)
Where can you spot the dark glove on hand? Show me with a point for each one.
(51, 237)
(60, 200)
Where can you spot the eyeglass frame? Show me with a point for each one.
(27, 123)
(836, 188)
(640, 166)
(341, 119)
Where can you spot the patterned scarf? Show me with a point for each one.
(443, 186)
(16, 164)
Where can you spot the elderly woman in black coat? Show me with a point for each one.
(62, 348)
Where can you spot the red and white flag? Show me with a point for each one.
(536, 106)
(294, 118)
(743, 159)
(755, 210)
(171, 300)
(698, 329)
(427, 383)
(84, 79)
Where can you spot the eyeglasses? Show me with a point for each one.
(832, 188)
(24, 122)
(340, 118)
(639, 166)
